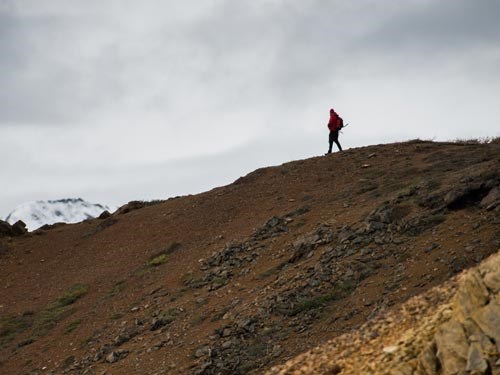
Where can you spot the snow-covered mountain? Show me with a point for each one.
(72, 210)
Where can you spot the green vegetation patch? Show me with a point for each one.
(161, 257)
(191, 281)
(48, 319)
(367, 186)
(116, 289)
(72, 295)
(157, 260)
(170, 315)
(256, 350)
(341, 290)
(271, 271)
(11, 326)
(40, 323)
(173, 247)
(174, 296)
(199, 319)
(422, 224)
(58, 310)
(253, 352)
(116, 315)
(72, 326)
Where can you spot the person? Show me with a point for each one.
(334, 125)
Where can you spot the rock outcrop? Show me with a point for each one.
(14, 230)
(460, 336)
(467, 341)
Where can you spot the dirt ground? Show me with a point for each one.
(249, 275)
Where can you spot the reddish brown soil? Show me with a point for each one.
(339, 190)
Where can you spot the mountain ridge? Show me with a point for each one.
(248, 275)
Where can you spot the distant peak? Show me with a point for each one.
(67, 210)
(66, 200)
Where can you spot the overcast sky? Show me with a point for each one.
(120, 100)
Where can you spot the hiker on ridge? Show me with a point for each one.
(334, 125)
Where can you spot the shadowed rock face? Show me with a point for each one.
(16, 229)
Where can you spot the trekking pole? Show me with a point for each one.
(344, 126)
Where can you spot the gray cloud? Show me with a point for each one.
(48, 78)
(61, 66)
(99, 86)
(432, 38)
(441, 26)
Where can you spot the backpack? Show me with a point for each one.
(340, 122)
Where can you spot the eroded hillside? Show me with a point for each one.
(247, 276)
(453, 328)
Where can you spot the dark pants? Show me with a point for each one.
(334, 137)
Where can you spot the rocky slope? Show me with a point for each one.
(452, 329)
(247, 276)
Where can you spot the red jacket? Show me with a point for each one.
(334, 123)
